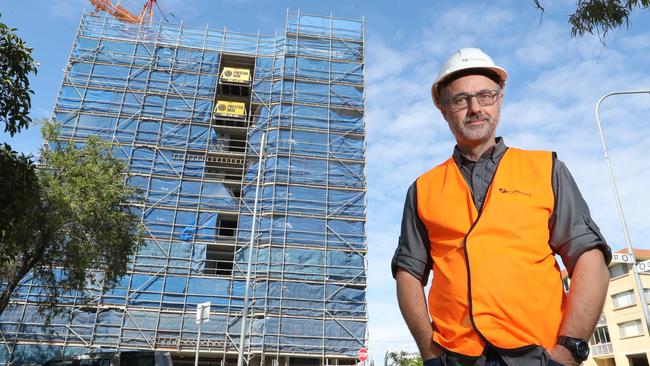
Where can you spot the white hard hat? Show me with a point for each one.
(463, 59)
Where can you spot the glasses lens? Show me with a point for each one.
(459, 102)
(486, 97)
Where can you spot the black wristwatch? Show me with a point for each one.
(578, 347)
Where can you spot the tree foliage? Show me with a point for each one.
(63, 224)
(19, 192)
(71, 229)
(600, 16)
(16, 64)
(402, 358)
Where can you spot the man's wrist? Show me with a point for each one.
(578, 347)
(562, 355)
(432, 351)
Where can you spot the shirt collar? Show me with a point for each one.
(494, 153)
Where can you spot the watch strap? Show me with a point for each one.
(573, 344)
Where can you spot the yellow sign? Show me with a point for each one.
(230, 109)
(236, 75)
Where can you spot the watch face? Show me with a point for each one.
(582, 349)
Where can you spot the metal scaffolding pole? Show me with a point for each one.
(242, 333)
(619, 207)
(151, 90)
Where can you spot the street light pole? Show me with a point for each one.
(202, 316)
(242, 333)
(619, 207)
(198, 342)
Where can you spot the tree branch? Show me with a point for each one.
(540, 8)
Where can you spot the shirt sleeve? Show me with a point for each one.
(572, 231)
(412, 253)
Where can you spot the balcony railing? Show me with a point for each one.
(601, 349)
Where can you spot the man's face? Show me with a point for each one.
(476, 123)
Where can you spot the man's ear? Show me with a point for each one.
(444, 115)
(436, 96)
(441, 107)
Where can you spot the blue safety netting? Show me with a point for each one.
(322, 26)
(333, 119)
(151, 90)
(324, 69)
(310, 171)
(316, 200)
(307, 231)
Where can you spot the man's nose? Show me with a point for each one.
(472, 105)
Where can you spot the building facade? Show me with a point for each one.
(621, 337)
(187, 109)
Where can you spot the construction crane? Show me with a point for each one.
(122, 13)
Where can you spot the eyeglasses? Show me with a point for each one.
(461, 101)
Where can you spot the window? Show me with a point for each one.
(219, 256)
(639, 359)
(227, 226)
(631, 328)
(618, 270)
(600, 343)
(647, 294)
(623, 299)
(600, 336)
(602, 320)
(218, 259)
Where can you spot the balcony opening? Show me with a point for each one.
(218, 259)
(227, 226)
(640, 359)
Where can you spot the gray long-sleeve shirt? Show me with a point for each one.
(572, 231)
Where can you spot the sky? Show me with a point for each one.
(550, 99)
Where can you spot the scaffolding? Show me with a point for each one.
(185, 108)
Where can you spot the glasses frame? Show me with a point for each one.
(470, 97)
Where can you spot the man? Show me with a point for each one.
(488, 222)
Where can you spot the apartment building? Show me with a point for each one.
(621, 337)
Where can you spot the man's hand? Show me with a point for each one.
(562, 355)
(433, 351)
(412, 304)
(584, 303)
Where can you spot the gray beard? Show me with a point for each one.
(474, 133)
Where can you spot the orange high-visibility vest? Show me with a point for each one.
(495, 278)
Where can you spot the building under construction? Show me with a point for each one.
(204, 119)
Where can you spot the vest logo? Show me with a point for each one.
(514, 191)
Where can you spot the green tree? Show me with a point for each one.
(402, 358)
(600, 16)
(18, 182)
(16, 64)
(63, 224)
(72, 221)
(18, 192)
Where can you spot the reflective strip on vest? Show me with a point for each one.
(495, 278)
